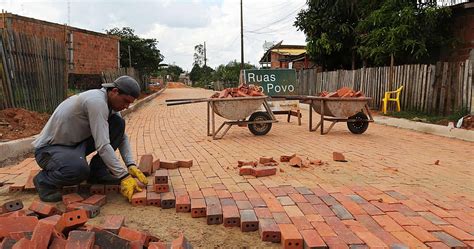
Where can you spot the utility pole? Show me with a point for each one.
(205, 58)
(241, 37)
(129, 57)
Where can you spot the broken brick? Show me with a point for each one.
(96, 200)
(266, 159)
(296, 162)
(241, 163)
(146, 164)
(338, 157)
(286, 158)
(185, 163)
(43, 209)
(245, 170)
(80, 240)
(70, 198)
(167, 164)
(259, 172)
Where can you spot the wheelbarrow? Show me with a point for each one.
(337, 109)
(236, 110)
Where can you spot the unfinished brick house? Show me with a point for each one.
(463, 28)
(286, 56)
(88, 53)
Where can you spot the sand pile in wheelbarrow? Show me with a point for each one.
(241, 91)
(344, 92)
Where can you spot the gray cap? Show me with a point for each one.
(125, 84)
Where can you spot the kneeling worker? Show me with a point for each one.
(87, 122)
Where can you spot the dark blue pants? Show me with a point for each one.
(67, 165)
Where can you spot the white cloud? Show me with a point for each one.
(179, 25)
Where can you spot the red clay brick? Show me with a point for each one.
(58, 243)
(42, 234)
(307, 208)
(113, 223)
(281, 218)
(324, 210)
(222, 194)
(323, 229)
(185, 163)
(286, 201)
(338, 157)
(24, 243)
(153, 199)
(248, 221)
(301, 223)
(71, 220)
(388, 223)
(53, 219)
(156, 165)
(239, 196)
(213, 210)
(286, 158)
(228, 202)
(457, 233)
(313, 199)
(246, 170)
(424, 223)
(263, 213)
(161, 188)
(133, 235)
(208, 192)
(159, 245)
(146, 164)
(168, 164)
(401, 219)
(96, 200)
(371, 240)
(180, 243)
(80, 240)
(70, 198)
(312, 239)
(139, 198)
(183, 204)
(43, 209)
(168, 200)
(231, 215)
(408, 239)
(264, 171)
(195, 194)
(437, 245)
(269, 230)
(449, 240)
(11, 206)
(257, 202)
(97, 189)
(421, 234)
(290, 237)
(161, 176)
(198, 208)
(92, 211)
(111, 189)
(16, 188)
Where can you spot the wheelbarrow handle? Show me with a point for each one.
(174, 100)
(186, 102)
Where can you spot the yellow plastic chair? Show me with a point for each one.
(387, 98)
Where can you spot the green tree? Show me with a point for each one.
(329, 26)
(408, 30)
(146, 57)
(199, 55)
(173, 70)
(201, 76)
(230, 73)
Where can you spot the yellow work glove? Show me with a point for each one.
(134, 171)
(128, 186)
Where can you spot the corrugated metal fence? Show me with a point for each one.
(443, 88)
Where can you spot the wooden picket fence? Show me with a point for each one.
(32, 72)
(442, 89)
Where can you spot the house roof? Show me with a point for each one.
(289, 50)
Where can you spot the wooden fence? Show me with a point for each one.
(442, 89)
(32, 72)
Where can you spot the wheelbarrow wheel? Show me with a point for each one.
(260, 129)
(359, 126)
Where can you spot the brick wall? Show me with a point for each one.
(463, 28)
(92, 52)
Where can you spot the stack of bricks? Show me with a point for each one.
(344, 92)
(43, 225)
(241, 91)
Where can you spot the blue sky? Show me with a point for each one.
(179, 25)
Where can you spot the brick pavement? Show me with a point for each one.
(389, 192)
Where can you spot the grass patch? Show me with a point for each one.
(429, 118)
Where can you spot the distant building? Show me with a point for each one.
(463, 29)
(184, 78)
(88, 53)
(286, 56)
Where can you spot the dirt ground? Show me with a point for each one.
(18, 123)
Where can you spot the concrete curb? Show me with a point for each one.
(20, 147)
(439, 130)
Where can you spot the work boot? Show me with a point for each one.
(47, 193)
(106, 179)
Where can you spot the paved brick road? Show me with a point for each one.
(389, 192)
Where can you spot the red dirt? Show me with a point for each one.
(18, 123)
(176, 85)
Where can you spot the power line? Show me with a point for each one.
(279, 20)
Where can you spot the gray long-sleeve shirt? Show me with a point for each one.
(79, 117)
